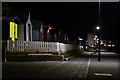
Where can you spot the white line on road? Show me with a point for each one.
(88, 65)
(48, 69)
(103, 74)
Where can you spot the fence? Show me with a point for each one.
(51, 46)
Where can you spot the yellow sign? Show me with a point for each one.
(16, 32)
(13, 31)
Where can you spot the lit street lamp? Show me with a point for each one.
(80, 39)
(95, 36)
(97, 28)
(98, 34)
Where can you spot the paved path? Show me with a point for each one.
(107, 68)
(83, 67)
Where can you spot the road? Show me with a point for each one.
(84, 67)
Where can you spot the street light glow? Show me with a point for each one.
(80, 38)
(97, 27)
(95, 36)
(113, 45)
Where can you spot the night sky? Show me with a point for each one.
(77, 19)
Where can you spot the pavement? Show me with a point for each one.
(82, 67)
(105, 69)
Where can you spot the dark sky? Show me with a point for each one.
(76, 18)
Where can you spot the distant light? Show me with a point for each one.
(101, 43)
(97, 42)
(80, 38)
(97, 27)
(109, 41)
(113, 45)
(50, 28)
(109, 45)
(105, 45)
(97, 39)
(95, 36)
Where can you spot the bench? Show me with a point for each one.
(40, 54)
(36, 50)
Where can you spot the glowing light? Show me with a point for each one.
(101, 43)
(113, 45)
(95, 36)
(105, 45)
(109, 45)
(97, 27)
(50, 28)
(109, 41)
(80, 38)
(97, 42)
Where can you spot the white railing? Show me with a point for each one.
(51, 46)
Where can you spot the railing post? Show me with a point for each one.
(4, 52)
(8, 44)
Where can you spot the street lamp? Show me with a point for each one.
(97, 28)
(80, 39)
(98, 34)
(95, 36)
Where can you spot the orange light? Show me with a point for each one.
(109, 45)
(50, 28)
(109, 41)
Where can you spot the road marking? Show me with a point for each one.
(103, 74)
(88, 65)
(49, 69)
(80, 76)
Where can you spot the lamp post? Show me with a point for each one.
(98, 29)
(98, 33)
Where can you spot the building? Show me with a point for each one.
(90, 39)
(12, 15)
(29, 29)
(10, 28)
